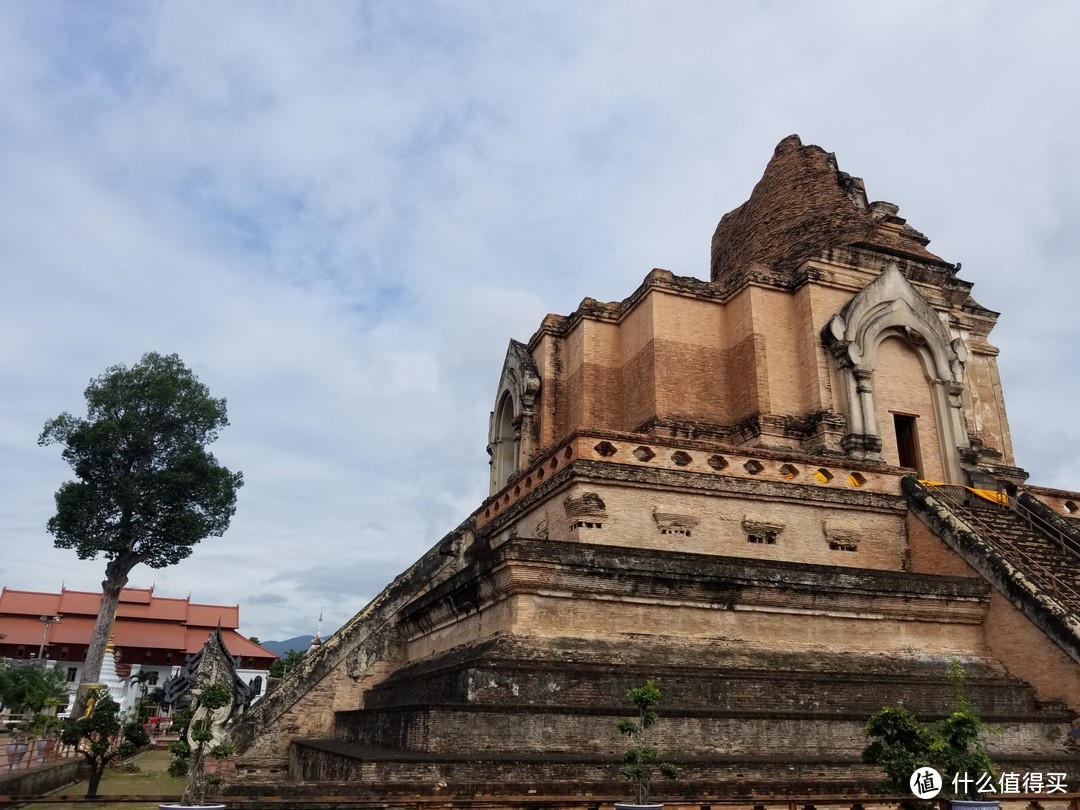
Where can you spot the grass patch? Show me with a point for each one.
(150, 779)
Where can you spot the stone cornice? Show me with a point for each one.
(584, 571)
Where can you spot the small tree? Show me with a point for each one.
(952, 746)
(100, 736)
(31, 687)
(641, 763)
(198, 732)
(148, 490)
(280, 667)
(144, 679)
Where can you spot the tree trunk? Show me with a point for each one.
(95, 778)
(198, 783)
(115, 579)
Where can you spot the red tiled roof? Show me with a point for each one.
(30, 602)
(149, 635)
(140, 596)
(143, 621)
(160, 608)
(234, 643)
(79, 602)
(212, 615)
(22, 630)
(71, 630)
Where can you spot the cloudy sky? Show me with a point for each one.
(338, 213)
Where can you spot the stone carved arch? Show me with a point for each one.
(512, 428)
(891, 307)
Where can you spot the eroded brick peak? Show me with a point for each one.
(802, 207)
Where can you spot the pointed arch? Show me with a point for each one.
(890, 307)
(512, 428)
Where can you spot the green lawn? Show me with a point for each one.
(151, 779)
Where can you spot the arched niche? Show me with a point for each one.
(512, 428)
(890, 307)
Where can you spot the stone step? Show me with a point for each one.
(350, 769)
(552, 683)
(1037, 554)
(571, 729)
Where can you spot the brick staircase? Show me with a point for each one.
(1046, 554)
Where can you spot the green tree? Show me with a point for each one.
(283, 666)
(147, 489)
(642, 761)
(901, 744)
(100, 737)
(31, 687)
(144, 679)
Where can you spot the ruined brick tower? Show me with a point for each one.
(716, 484)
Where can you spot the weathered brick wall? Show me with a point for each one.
(823, 533)
(775, 628)
(692, 379)
(1029, 654)
(1064, 503)
(546, 353)
(601, 367)
(776, 320)
(684, 734)
(527, 671)
(679, 351)
(310, 716)
(501, 617)
(817, 303)
(581, 591)
(638, 367)
(984, 401)
(570, 408)
(929, 555)
(744, 349)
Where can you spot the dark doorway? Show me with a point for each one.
(907, 441)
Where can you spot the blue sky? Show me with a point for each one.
(338, 214)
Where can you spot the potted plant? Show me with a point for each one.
(952, 747)
(101, 737)
(641, 762)
(201, 735)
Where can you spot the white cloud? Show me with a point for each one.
(339, 214)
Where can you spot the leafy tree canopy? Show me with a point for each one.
(901, 744)
(30, 686)
(147, 489)
(283, 666)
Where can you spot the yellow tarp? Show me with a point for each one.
(991, 495)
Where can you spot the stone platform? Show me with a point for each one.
(538, 712)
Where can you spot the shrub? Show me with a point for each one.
(641, 762)
(901, 744)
